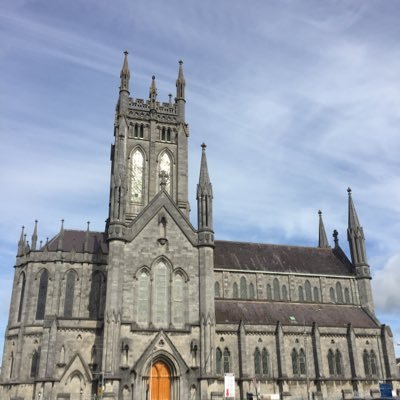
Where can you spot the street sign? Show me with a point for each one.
(229, 381)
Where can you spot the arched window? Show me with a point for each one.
(332, 295)
(284, 293)
(161, 295)
(265, 362)
(136, 134)
(217, 292)
(141, 131)
(302, 362)
(143, 298)
(163, 134)
(252, 294)
(96, 295)
(42, 295)
(301, 293)
(21, 284)
(307, 287)
(257, 362)
(69, 294)
(168, 134)
(373, 364)
(165, 168)
(277, 290)
(295, 362)
(137, 176)
(227, 360)
(347, 296)
(339, 292)
(179, 317)
(35, 364)
(243, 288)
(366, 361)
(316, 294)
(11, 364)
(235, 294)
(269, 292)
(331, 362)
(218, 361)
(338, 363)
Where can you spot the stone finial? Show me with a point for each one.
(322, 238)
(21, 242)
(61, 236)
(34, 236)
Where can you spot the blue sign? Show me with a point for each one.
(386, 389)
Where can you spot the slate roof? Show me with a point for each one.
(76, 240)
(269, 313)
(280, 258)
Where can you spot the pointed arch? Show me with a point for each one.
(269, 292)
(339, 292)
(295, 362)
(284, 293)
(301, 293)
(243, 288)
(71, 278)
(366, 361)
(21, 286)
(302, 362)
(137, 164)
(227, 360)
(178, 300)
(143, 293)
(42, 295)
(97, 295)
(332, 295)
(265, 361)
(347, 295)
(161, 278)
(257, 361)
(316, 294)
(338, 362)
(35, 363)
(307, 289)
(331, 362)
(165, 165)
(218, 361)
(373, 363)
(252, 294)
(277, 289)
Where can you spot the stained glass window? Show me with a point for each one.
(218, 359)
(257, 362)
(307, 287)
(42, 294)
(227, 360)
(339, 292)
(69, 294)
(161, 294)
(265, 362)
(243, 288)
(137, 167)
(277, 290)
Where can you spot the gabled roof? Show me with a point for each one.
(295, 314)
(280, 258)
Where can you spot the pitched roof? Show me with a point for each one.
(280, 258)
(269, 313)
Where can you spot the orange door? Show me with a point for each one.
(160, 384)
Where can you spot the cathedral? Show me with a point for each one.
(154, 308)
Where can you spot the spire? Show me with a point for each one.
(21, 242)
(125, 74)
(34, 236)
(153, 89)
(322, 239)
(61, 236)
(204, 198)
(355, 235)
(180, 93)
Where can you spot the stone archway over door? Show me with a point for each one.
(160, 384)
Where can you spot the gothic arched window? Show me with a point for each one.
(338, 363)
(35, 364)
(347, 296)
(165, 168)
(252, 294)
(243, 288)
(339, 292)
(372, 359)
(179, 300)
(11, 364)
(302, 362)
(331, 362)
(161, 278)
(217, 292)
(69, 294)
(143, 298)
(235, 290)
(277, 290)
(21, 284)
(307, 287)
(284, 293)
(295, 362)
(42, 295)
(366, 361)
(218, 361)
(257, 362)
(141, 133)
(227, 360)
(96, 295)
(136, 134)
(301, 293)
(265, 362)
(168, 134)
(269, 292)
(316, 294)
(332, 295)
(137, 176)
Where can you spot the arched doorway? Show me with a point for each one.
(160, 382)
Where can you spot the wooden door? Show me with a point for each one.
(160, 382)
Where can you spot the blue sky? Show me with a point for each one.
(295, 100)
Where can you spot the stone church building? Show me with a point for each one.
(155, 308)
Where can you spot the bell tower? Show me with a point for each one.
(150, 141)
